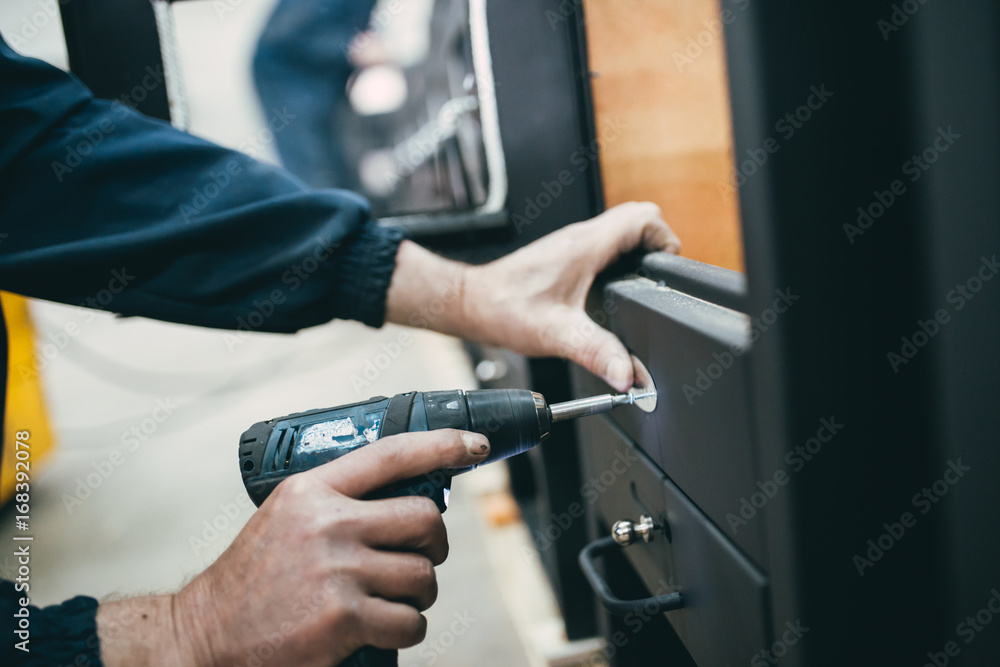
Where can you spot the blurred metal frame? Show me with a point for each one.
(112, 46)
(540, 90)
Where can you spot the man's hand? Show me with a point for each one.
(532, 301)
(315, 574)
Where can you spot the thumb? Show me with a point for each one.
(600, 352)
(398, 457)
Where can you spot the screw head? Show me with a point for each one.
(623, 532)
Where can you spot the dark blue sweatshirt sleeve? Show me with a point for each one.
(63, 634)
(104, 207)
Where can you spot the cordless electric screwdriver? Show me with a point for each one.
(514, 420)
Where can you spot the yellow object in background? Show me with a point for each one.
(25, 409)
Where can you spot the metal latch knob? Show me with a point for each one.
(626, 532)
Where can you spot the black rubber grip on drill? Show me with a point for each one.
(397, 415)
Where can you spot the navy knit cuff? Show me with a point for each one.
(364, 272)
(63, 634)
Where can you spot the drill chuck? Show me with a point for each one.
(514, 420)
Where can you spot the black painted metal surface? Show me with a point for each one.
(725, 618)
(700, 432)
(879, 208)
(114, 48)
(720, 286)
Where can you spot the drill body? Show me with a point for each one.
(514, 420)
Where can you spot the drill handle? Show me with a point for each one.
(369, 656)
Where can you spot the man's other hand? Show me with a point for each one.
(531, 301)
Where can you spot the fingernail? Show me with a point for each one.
(617, 374)
(476, 443)
(673, 248)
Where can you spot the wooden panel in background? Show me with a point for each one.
(663, 117)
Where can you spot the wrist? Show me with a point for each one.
(430, 292)
(474, 303)
(196, 626)
(144, 632)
